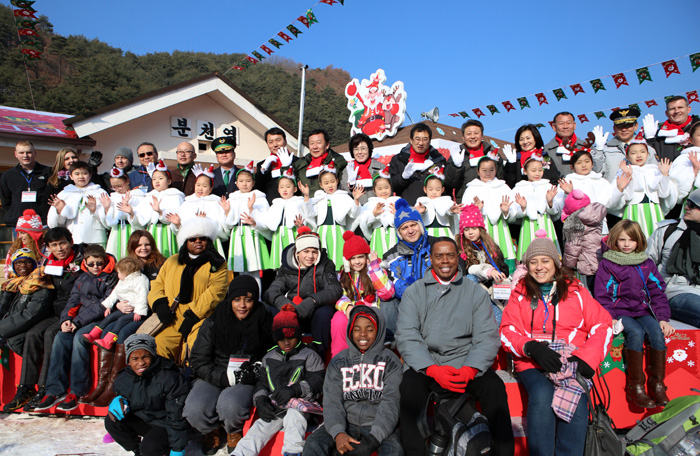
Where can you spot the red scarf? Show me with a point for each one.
(363, 170)
(476, 153)
(416, 157)
(64, 263)
(669, 126)
(571, 143)
(277, 164)
(318, 161)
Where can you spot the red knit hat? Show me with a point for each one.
(30, 223)
(286, 324)
(470, 217)
(354, 245)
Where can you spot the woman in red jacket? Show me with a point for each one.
(554, 329)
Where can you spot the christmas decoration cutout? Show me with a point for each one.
(376, 109)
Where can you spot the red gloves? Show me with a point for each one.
(450, 378)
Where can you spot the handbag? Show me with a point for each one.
(601, 438)
(152, 325)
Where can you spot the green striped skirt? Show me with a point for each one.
(118, 240)
(440, 231)
(503, 239)
(247, 250)
(166, 241)
(280, 240)
(646, 214)
(332, 241)
(383, 239)
(528, 230)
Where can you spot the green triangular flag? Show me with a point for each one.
(597, 85)
(636, 106)
(24, 4)
(493, 109)
(668, 97)
(258, 55)
(559, 93)
(295, 31)
(25, 23)
(643, 74)
(523, 103)
(311, 17)
(463, 114)
(599, 115)
(695, 61)
(539, 125)
(274, 42)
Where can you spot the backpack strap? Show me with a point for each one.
(671, 228)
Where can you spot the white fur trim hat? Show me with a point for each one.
(194, 227)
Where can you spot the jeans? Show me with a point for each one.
(129, 329)
(546, 433)
(390, 309)
(636, 327)
(320, 443)
(70, 355)
(685, 307)
(126, 432)
(207, 406)
(294, 424)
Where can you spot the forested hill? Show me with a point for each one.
(77, 75)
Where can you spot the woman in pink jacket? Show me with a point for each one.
(550, 308)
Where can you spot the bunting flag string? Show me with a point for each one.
(620, 79)
(307, 20)
(30, 43)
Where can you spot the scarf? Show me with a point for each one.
(421, 249)
(669, 126)
(476, 153)
(275, 165)
(192, 265)
(250, 336)
(625, 259)
(569, 144)
(318, 161)
(416, 157)
(363, 169)
(685, 254)
(35, 281)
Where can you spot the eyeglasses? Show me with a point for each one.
(96, 264)
(361, 149)
(184, 152)
(199, 238)
(146, 154)
(691, 205)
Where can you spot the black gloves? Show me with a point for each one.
(583, 367)
(368, 445)
(306, 308)
(282, 395)
(267, 411)
(95, 159)
(249, 374)
(190, 320)
(547, 358)
(162, 308)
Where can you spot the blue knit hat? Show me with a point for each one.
(406, 213)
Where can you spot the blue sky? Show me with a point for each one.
(456, 55)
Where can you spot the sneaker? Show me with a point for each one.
(23, 395)
(47, 402)
(69, 404)
(35, 400)
(211, 442)
(232, 440)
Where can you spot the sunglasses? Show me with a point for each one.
(146, 154)
(195, 239)
(691, 205)
(96, 264)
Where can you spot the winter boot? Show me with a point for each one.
(118, 364)
(23, 395)
(656, 371)
(104, 366)
(232, 440)
(107, 342)
(94, 334)
(635, 380)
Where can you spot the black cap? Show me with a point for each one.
(223, 144)
(625, 115)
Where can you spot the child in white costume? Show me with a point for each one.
(153, 210)
(438, 211)
(332, 211)
(377, 216)
(495, 200)
(684, 171)
(119, 212)
(537, 202)
(78, 208)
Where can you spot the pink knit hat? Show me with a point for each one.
(575, 201)
(470, 217)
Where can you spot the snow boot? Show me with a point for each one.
(94, 334)
(107, 342)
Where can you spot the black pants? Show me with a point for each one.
(126, 432)
(488, 389)
(37, 345)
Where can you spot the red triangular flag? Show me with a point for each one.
(577, 88)
(620, 80)
(284, 36)
(582, 118)
(670, 67)
(541, 98)
(508, 105)
(329, 2)
(692, 96)
(304, 20)
(478, 112)
(650, 103)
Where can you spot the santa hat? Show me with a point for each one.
(289, 174)
(354, 245)
(437, 171)
(307, 239)
(532, 155)
(116, 173)
(198, 171)
(575, 201)
(160, 166)
(196, 227)
(406, 213)
(30, 223)
(22, 254)
(639, 139)
(330, 168)
(285, 325)
(493, 155)
(470, 217)
(383, 173)
(249, 168)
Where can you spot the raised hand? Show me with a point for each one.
(457, 154)
(623, 180)
(378, 209)
(304, 189)
(225, 204)
(373, 256)
(392, 208)
(106, 201)
(155, 204)
(510, 153)
(57, 202)
(479, 203)
(124, 205)
(521, 201)
(551, 194)
(505, 204)
(357, 192)
(251, 203)
(173, 218)
(200, 214)
(650, 126)
(298, 220)
(693, 157)
(456, 208)
(625, 167)
(600, 138)
(247, 220)
(566, 186)
(285, 156)
(91, 203)
(420, 208)
(665, 166)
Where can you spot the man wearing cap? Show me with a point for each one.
(560, 148)
(24, 186)
(139, 177)
(273, 166)
(225, 175)
(309, 167)
(183, 176)
(675, 248)
(668, 138)
(448, 338)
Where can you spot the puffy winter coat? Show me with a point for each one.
(25, 311)
(134, 289)
(316, 286)
(84, 226)
(659, 251)
(157, 397)
(85, 303)
(582, 241)
(579, 319)
(410, 189)
(64, 284)
(362, 389)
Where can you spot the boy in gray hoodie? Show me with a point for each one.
(360, 393)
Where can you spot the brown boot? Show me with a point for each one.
(232, 440)
(104, 366)
(118, 364)
(635, 380)
(656, 371)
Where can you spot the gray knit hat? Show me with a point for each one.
(139, 342)
(542, 245)
(695, 197)
(125, 152)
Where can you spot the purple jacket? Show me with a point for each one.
(620, 290)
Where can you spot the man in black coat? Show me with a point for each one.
(667, 139)
(24, 186)
(225, 175)
(273, 166)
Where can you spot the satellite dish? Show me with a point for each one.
(433, 114)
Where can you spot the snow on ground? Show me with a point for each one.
(23, 434)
